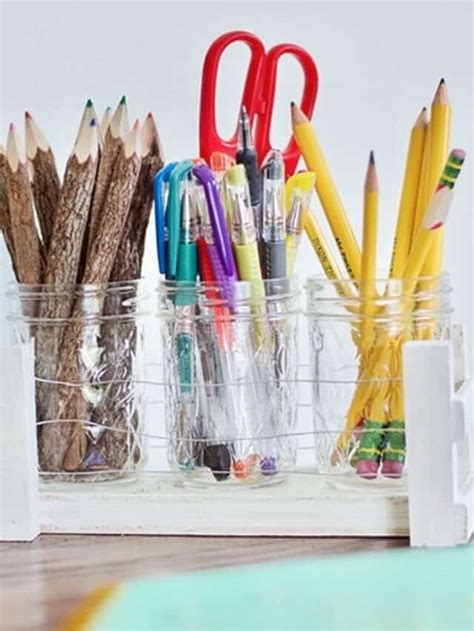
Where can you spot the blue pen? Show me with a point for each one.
(160, 179)
(173, 215)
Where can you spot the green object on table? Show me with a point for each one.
(407, 589)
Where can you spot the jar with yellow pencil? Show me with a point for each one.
(356, 368)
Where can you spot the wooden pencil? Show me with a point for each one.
(113, 145)
(73, 210)
(331, 202)
(116, 409)
(26, 242)
(129, 258)
(88, 115)
(64, 445)
(5, 222)
(45, 179)
(63, 263)
(105, 121)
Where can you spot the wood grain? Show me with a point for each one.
(40, 582)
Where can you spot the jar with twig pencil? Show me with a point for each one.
(230, 374)
(356, 339)
(89, 375)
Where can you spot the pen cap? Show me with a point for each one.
(243, 228)
(300, 184)
(189, 213)
(273, 197)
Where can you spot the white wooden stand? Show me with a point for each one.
(433, 503)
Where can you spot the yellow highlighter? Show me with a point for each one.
(298, 191)
(244, 236)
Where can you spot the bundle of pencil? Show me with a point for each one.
(89, 229)
(374, 430)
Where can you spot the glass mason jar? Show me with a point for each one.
(230, 368)
(356, 366)
(89, 371)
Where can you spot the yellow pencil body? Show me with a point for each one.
(408, 199)
(422, 198)
(439, 148)
(331, 202)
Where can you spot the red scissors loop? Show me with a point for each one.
(258, 95)
(210, 141)
(291, 153)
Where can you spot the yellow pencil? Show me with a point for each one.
(331, 202)
(408, 198)
(438, 153)
(369, 253)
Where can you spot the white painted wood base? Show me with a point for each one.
(304, 505)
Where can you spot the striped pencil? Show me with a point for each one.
(45, 183)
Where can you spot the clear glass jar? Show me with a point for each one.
(89, 371)
(230, 369)
(356, 366)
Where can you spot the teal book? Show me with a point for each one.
(398, 590)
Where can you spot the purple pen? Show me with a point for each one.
(217, 217)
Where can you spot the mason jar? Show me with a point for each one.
(356, 366)
(230, 371)
(89, 375)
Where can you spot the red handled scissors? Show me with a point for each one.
(258, 95)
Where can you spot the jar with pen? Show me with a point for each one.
(89, 374)
(230, 337)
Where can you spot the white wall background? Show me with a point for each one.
(379, 64)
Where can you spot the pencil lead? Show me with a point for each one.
(11, 127)
(28, 115)
(371, 158)
(292, 104)
(89, 103)
(136, 124)
(93, 123)
(149, 115)
(123, 100)
(442, 81)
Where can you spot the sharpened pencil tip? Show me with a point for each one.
(123, 100)
(28, 115)
(371, 158)
(93, 123)
(89, 103)
(292, 104)
(442, 82)
(108, 108)
(136, 124)
(149, 115)
(11, 127)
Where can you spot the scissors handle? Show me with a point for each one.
(291, 153)
(209, 139)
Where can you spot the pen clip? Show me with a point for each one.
(160, 179)
(173, 214)
(217, 217)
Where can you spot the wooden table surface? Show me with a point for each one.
(41, 581)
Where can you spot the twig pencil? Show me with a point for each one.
(98, 269)
(63, 259)
(26, 242)
(407, 207)
(88, 115)
(331, 202)
(105, 122)
(113, 144)
(129, 257)
(46, 184)
(5, 222)
(64, 445)
(111, 223)
(73, 210)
